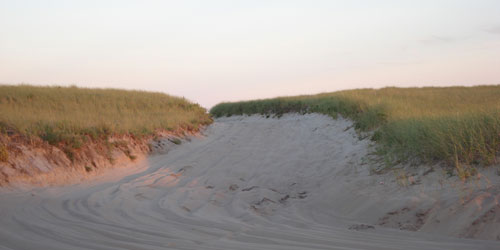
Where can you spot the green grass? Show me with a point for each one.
(458, 125)
(72, 115)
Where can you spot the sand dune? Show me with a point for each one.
(298, 182)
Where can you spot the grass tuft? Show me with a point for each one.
(87, 168)
(4, 154)
(176, 141)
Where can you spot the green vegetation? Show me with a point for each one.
(87, 168)
(175, 141)
(71, 115)
(4, 154)
(459, 125)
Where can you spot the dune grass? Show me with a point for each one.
(458, 125)
(70, 115)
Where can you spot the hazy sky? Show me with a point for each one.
(213, 50)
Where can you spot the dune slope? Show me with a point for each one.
(299, 182)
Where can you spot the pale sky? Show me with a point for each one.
(210, 51)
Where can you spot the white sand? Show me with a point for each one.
(299, 182)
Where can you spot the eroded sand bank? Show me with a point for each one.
(298, 182)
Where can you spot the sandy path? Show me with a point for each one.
(251, 183)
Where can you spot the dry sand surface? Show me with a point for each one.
(298, 182)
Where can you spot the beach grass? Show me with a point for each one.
(457, 125)
(70, 115)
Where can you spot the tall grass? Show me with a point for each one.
(452, 124)
(68, 114)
